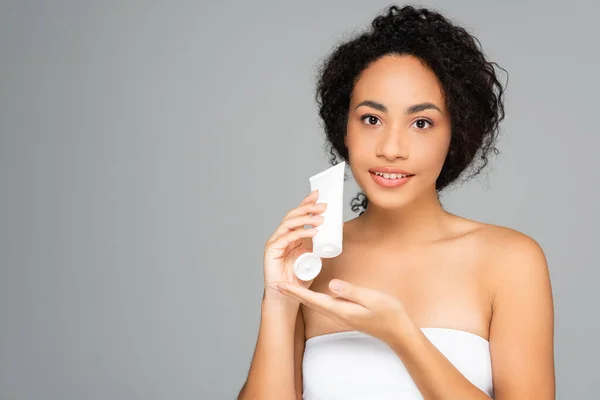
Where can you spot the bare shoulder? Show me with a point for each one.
(522, 324)
(508, 250)
(508, 253)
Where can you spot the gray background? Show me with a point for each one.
(148, 150)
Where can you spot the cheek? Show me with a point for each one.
(358, 147)
(431, 154)
(427, 153)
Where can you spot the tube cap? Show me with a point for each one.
(307, 266)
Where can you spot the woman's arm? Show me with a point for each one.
(522, 328)
(272, 374)
(521, 334)
(433, 374)
(299, 353)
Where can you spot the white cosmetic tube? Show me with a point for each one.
(327, 243)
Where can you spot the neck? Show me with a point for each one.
(422, 220)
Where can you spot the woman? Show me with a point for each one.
(422, 303)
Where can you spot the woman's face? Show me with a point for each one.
(405, 126)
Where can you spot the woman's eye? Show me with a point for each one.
(369, 119)
(421, 123)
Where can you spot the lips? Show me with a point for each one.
(389, 183)
(390, 170)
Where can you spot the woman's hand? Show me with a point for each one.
(359, 308)
(288, 242)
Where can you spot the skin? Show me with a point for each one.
(406, 223)
(444, 270)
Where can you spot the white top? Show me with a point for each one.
(352, 365)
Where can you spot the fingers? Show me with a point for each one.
(282, 242)
(294, 223)
(311, 198)
(335, 308)
(356, 294)
(304, 205)
(312, 208)
(299, 216)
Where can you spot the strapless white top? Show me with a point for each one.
(352, 365)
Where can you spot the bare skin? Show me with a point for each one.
(442, 283)
(447, 271)
(406, 244)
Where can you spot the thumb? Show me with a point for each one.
(307, 243)
(298, 251)
(358, 294)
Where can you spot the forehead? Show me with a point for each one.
(398, 81)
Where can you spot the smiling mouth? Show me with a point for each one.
(391, 176)
(392, 180)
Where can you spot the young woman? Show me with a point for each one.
(422, 303)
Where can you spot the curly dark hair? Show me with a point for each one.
(472, 92)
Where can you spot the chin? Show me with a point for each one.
(389, 201)
(388, 198)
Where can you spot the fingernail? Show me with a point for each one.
(336, 285)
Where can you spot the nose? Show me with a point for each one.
(393, 144)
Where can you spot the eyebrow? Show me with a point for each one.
(410, 110)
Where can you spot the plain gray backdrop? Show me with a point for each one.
(149, 149)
